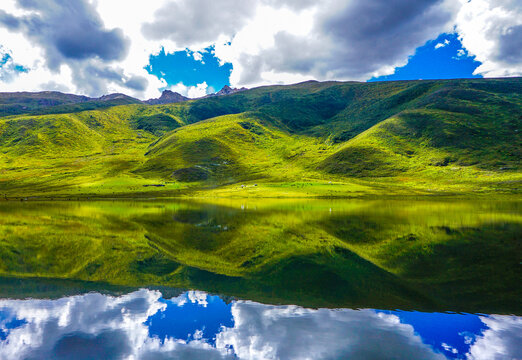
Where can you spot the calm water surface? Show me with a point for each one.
(295, 280)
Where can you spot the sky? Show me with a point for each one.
(195, 47)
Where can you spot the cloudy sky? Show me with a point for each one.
(95, 47)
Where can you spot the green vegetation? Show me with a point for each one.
(330, 139)
(422, 255)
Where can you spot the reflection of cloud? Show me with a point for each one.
(289, 332)
(502, 340)
(198, 297)
(93, 326)
(100, 326)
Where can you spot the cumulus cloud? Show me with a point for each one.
(442, 44)
(192, 92)
(67, 30)
(501, 340)
(55, 39)
(334, 40)
(491, 30)
(199, 21)
(291, 332)
(191, 22)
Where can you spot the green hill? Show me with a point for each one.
(308, 139)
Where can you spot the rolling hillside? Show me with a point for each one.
(309, 139)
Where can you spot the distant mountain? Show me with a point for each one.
(55, 102)
(45, 102)
(167, 97)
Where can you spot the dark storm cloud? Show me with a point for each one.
(356, 39)
(510, 46)
(67, 30)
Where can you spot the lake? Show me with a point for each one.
(261, 279)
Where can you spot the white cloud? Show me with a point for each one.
(198, 56)
(442, 44)
(192, 91)
(492, 31)
(500, 341)
(32, 56)
(291, 332)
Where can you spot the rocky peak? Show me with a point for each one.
(167, 97)
(227, 90)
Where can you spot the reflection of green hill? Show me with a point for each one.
(460, 256)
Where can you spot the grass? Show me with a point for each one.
(332, 139)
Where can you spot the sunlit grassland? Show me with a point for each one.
(408, 138)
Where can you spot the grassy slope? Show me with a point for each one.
(309, 139)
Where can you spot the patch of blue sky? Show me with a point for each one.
(7, 62)
(8, 68)
(190, 68)
(442, 58)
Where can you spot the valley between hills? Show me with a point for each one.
(313, 139)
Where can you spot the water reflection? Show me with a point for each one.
(195, 325)
(413, 255)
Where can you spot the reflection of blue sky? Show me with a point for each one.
(8, 322)
(195, 325)
(193, 316)
(449, 333)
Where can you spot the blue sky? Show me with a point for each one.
(190, 68)
(442, 58)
